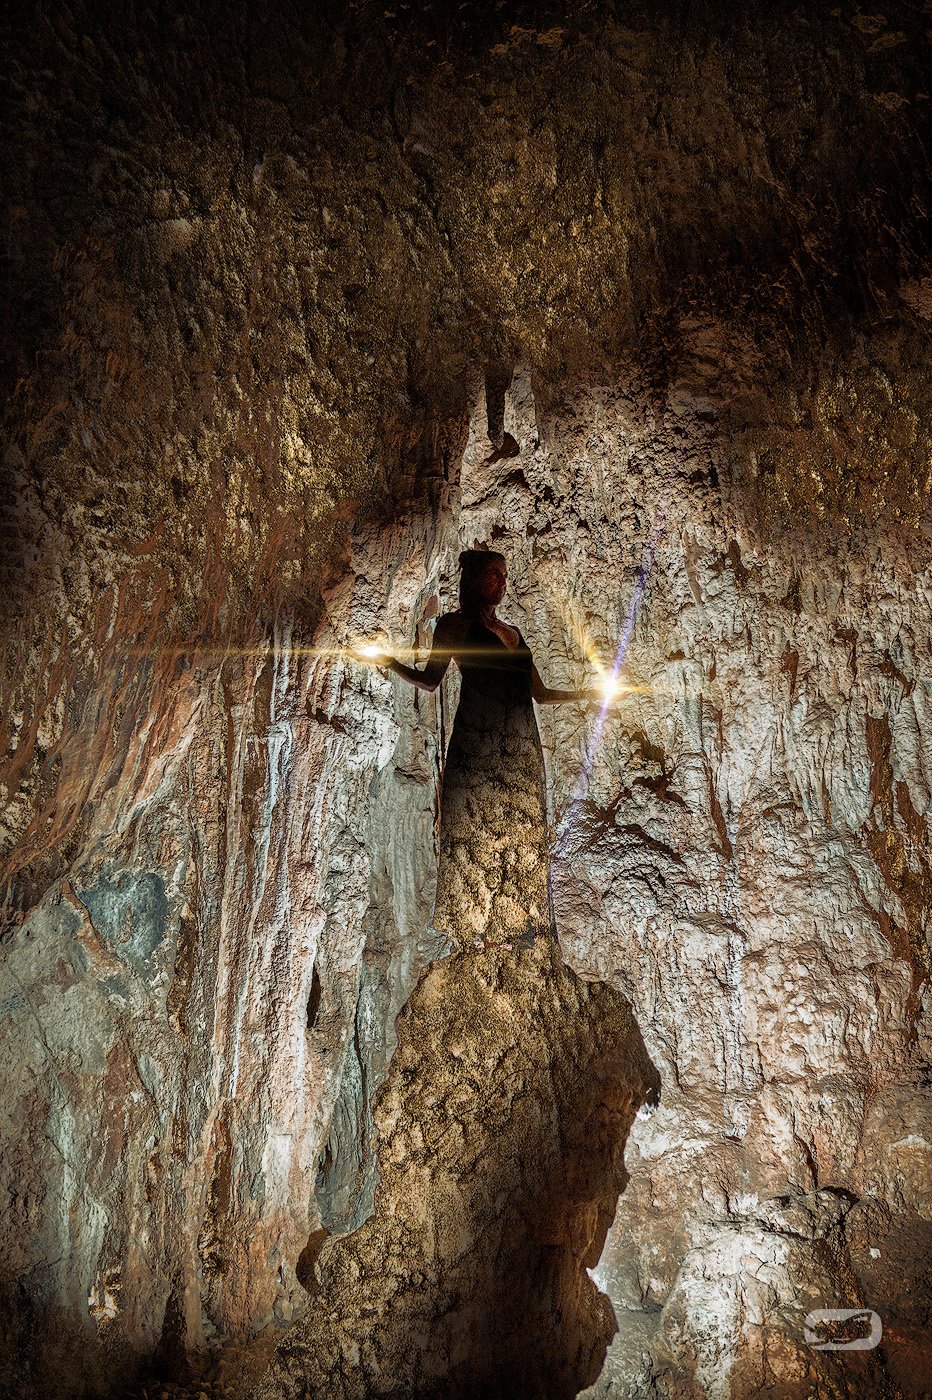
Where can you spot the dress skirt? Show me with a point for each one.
(493, 874)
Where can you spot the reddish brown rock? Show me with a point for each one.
(260, 266)
(501, 1132)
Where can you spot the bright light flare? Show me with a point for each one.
(202, 654)
(608, 682)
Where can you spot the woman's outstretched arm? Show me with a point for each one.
(545, 696)
(441, 654)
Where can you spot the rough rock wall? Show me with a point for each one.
(253, 259)
(185, 1011)
(501, 1133)
(744, 852)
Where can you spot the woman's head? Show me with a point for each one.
(483, 576)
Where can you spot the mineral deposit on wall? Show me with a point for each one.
(303, 305)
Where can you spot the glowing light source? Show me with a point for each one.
(609, 683)
(370, 649)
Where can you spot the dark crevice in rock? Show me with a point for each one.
(497, 381)
(305, 1268)
(347, 1167)
(313, 1001)
(171, 1356)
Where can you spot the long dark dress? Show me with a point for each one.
(493, 877)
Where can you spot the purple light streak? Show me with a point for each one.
(639, 587)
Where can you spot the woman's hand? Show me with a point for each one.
(428, 679)
(371, 656)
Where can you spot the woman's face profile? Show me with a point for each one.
(493, 582)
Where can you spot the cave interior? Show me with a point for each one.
(302, 301)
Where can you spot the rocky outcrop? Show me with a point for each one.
(266, 265)
(723, 863)
(501, 1132)
(742, 852)
(206, 1004)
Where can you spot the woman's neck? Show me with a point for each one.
(487, 615)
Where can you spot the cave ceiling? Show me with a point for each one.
(257, 251)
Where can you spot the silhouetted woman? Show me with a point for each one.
(493, 880)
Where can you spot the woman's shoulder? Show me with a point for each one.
(452, 624)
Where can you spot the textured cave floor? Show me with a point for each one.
(534, 1075)
(501, 1133)
(537, 1074)
(230, 1373)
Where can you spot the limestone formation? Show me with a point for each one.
(722, 865)
(303, 301)
(501, 1135)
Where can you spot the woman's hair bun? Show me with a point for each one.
(478, 558)
(468, 557)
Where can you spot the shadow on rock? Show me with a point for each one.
(502, 1128)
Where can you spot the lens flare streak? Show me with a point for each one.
(611, 683)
